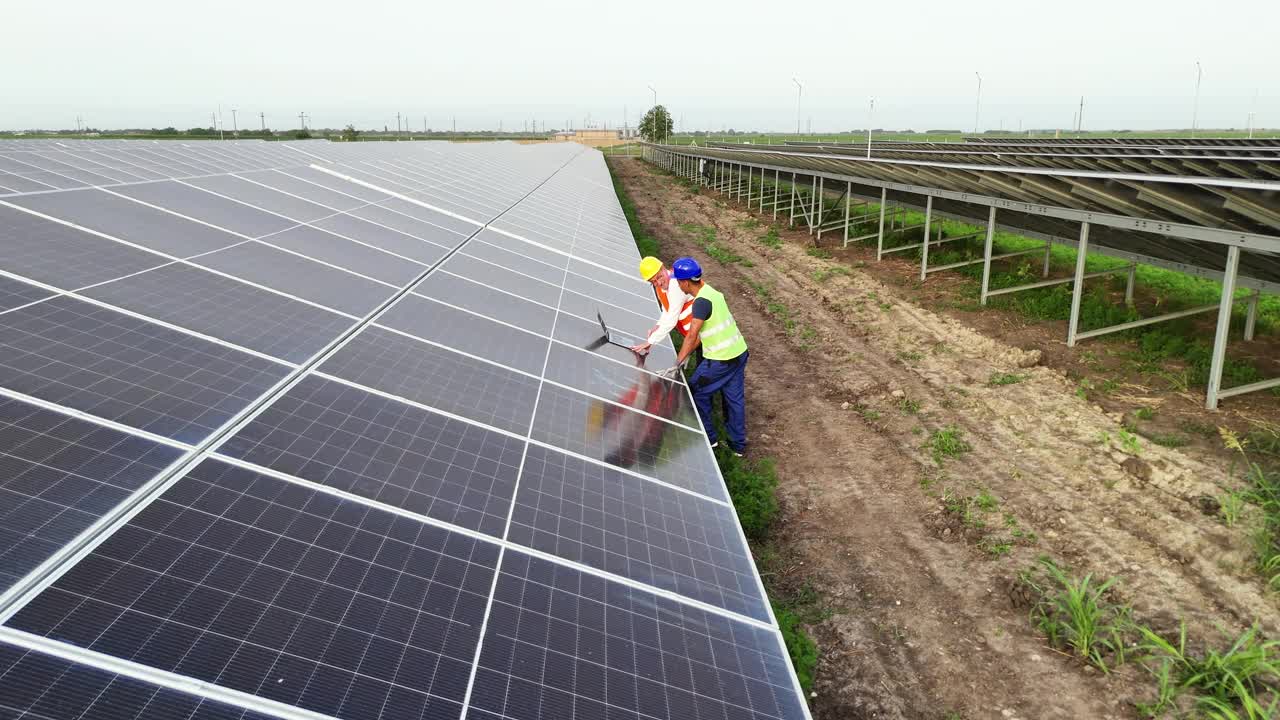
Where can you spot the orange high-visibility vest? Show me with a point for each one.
(686, 311)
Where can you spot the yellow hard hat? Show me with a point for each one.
(649, 267)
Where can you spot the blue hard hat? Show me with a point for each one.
(686, 268)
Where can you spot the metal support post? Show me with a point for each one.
(812, 200)
(986, 253)
(762, 171)
(792, 222)
(1251, 315)
(1077, 289)
(884, 197)
(848, 191)
(817, 218)
(776, 185)
(1129, 283)
(1048, 248)
(924, 246)
(1224, 327)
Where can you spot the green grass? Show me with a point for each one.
(909, 406)
(1169, 440)
(823, 274)
(752, 488)
(1074, 614)
(948, 442)
(1230, 683)
(800, 646)
(1263, 491)
(998, 379)
(771, 238)
(817, 252)
(705, 237)
(1144, 413)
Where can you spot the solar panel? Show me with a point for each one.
(329, 430)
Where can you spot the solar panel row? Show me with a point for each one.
(326, 430)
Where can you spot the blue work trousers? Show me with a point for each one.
(727, 377)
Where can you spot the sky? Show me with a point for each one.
(714, 64)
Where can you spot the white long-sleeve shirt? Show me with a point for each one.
(669, 317)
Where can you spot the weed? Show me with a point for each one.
(1144, 413)
(1264, 492)
(1198, 428)
(1230, 505)
(803, 651)
(1226, 680)
(995, 548)
(910, 356)
(909, 406)
(948, 442)
(751, 488)
(886, 306)
(763, 291)
(818, 252)
(1005, 379)
(1129, 442)
(750, 223)
(823, 274)
(1073, 613)
(985, 500)
(1169, 440)
(870, 415)
(771, 238)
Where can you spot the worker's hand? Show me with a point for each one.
(671, 373)
(642, 349)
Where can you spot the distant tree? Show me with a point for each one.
(350, 133)
(302, 134)
(656, 125)
(200, 131)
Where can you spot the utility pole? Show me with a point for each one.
(1080, 117)
(302, 121)
(1195, 108)
(799, 94)
(977, 103)
(235, 126)
(455, 123)
(397, 126)
(262, 117)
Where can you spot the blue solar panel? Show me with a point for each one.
(301, 440)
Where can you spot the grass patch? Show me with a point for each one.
(771, 238)
(752, 487)
(818, 252)
(1231, 683)
(948, 442)
(1169, 440)
(1074, 614)
(705, 237)
(800, 646)
(824, 274)
(997, 379)
(909, 406)
(1144, 413)
(1263, 491)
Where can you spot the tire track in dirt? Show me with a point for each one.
(922, 623)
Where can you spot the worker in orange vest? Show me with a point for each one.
(677, 306)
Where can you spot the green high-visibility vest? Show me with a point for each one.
(719, 334)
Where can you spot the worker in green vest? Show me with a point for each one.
(724, 355)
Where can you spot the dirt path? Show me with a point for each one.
(926, 619)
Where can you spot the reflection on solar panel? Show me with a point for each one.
(313, 430)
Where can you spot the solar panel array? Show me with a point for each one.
(327, 430)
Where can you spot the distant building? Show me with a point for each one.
(593, 137)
